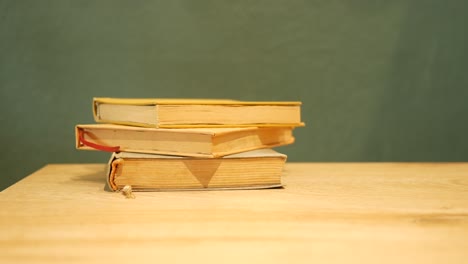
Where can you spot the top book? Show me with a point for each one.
(185, 113)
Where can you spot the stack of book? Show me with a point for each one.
(185, 144)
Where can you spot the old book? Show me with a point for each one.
(194, 142)
(181, 113)
(148, 172)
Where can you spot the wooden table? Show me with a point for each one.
(327, 213)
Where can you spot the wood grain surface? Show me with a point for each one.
(327, 213)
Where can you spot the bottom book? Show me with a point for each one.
(256, 169)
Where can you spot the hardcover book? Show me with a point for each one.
(193, 142)
(183, 113)
(148, 172)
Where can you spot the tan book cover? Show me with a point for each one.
(148, 172)
(186, 113)
(193, 142)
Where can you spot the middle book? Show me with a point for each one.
(190, 142)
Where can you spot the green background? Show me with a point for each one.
(379, 80)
